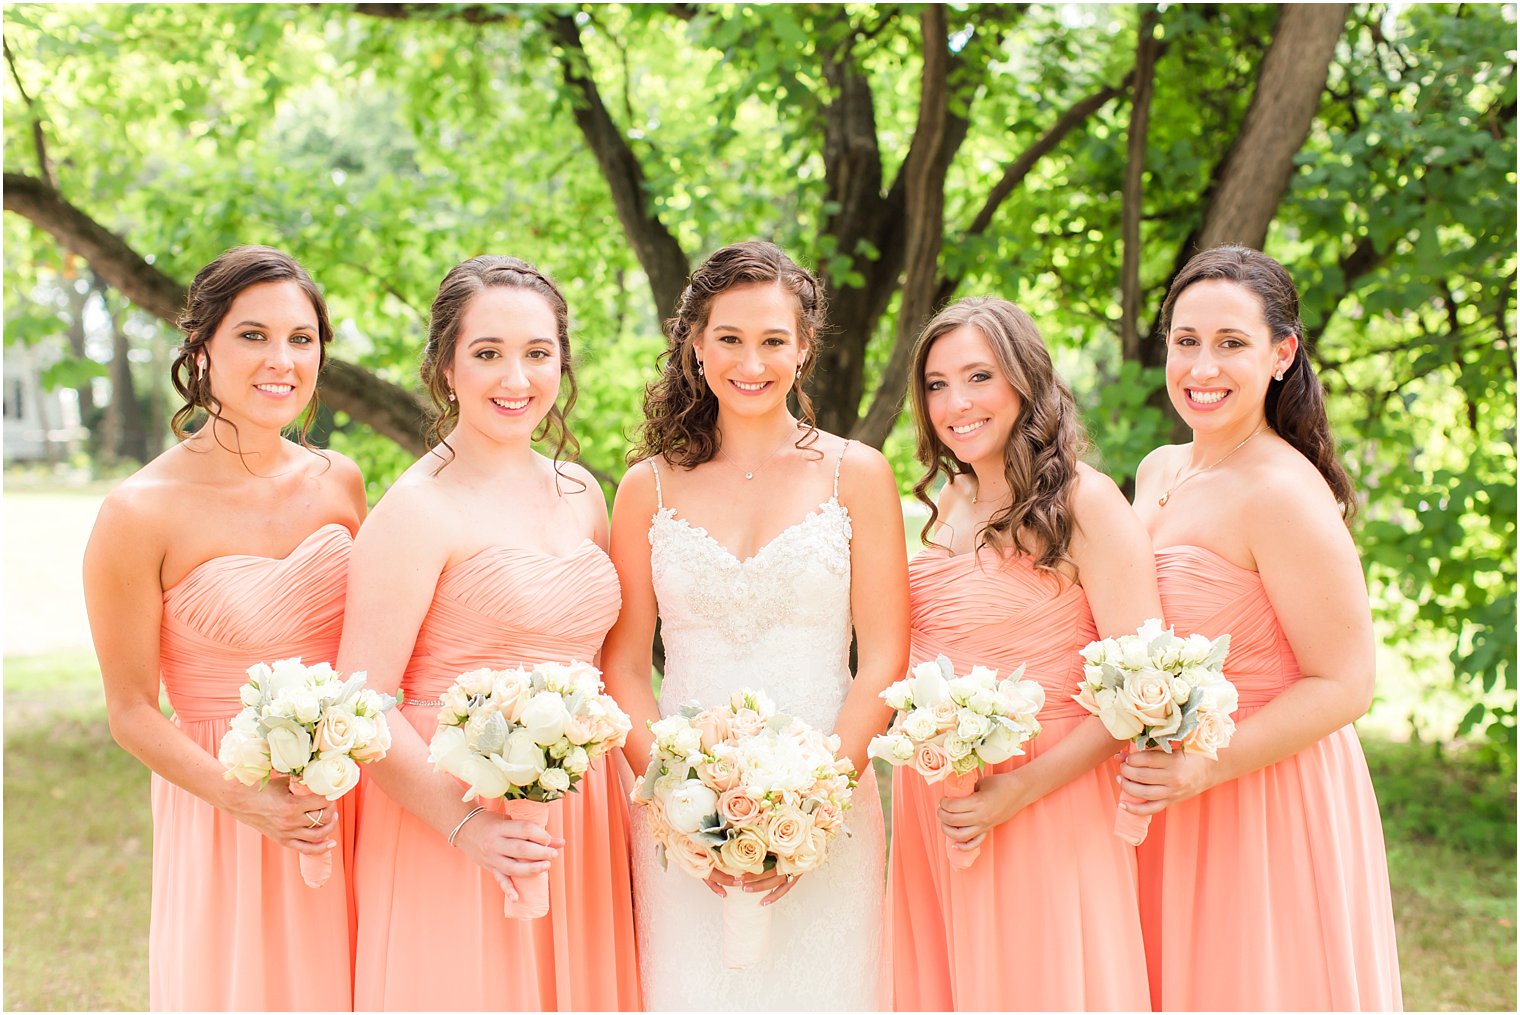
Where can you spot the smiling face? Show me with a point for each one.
(1220, 357)
(505, 373)
(971, 404)
(750, 348)
(264, 356)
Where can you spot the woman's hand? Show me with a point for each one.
(508, 849)
(967, 820)
(774, 884)
(303, 823)
(1158, 779)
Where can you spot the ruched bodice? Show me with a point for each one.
(1203, 593)
(981, 609)
(1076, 943)
(510, 605)
(233, 926)
(231, 612)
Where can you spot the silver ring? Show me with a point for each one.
(314, 819)
(790, 878)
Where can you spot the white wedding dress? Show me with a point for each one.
(778, 622)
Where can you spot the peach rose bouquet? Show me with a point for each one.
(526, 737)
(310, 724)
(948, 727)
(743, 789)
(1159, 691)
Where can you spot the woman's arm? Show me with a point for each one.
(124, 596)
(397, 559)
(628, 652)
(878, 596)
(1118, 574)
(1313, 580)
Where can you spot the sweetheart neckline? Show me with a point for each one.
(817, 512)
(257, 556)
(504, 548)
(1212, 553)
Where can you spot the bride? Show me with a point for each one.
(758, 541)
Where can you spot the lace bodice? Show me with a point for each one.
(778, 622)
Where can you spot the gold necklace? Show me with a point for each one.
(1168, 495)
(750, 473)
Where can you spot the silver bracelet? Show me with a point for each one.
(462, 821)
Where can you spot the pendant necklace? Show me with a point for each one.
(750, 473)
(1168, 495)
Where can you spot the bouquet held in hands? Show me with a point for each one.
(1159, 691)
(526, 737)
(745, 790)
(310, 724)
(947, 727)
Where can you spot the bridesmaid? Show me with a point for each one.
(1033, 555)
(228, 550)
(1268, 887)
(486, 553)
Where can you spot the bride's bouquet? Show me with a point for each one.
(1157, 690)
(743, 789)
(309, 723)
(526, 737)
(947, 727)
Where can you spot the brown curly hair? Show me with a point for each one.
(456, 291)
(1043, 449)
(680, 410)
(206, 304)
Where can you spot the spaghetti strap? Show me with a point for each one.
(837, 463)
(659, 494)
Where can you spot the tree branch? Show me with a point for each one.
(659, 254)
(926, 166)
(39, 140)
(387, 408)
(1134, 192)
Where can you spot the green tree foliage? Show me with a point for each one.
(617, 144)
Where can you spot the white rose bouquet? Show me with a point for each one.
(526, 737)
(947, 727)
(743, 789)
(1157, 690)
(310, 724)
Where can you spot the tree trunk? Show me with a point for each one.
(1134, 188)
(122, 432)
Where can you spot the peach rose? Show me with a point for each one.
(719, 772)
(827, 817)
(743, 852)
(738, 808)
(1085, 697)
(788, 829)
(693, 856)
(1148, 697)
(715, 725)
(931, 762)
(1213, 731)
(808, 856)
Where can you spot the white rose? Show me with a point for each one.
(896, 695)
(374, 740)
(304, 704)
(577, 761)
(249, 695)
(338, 731)
(246, 758)
(555, 780)
(918, 724)
(524, 759)
(544, 717)
(893, 748)
(973, 727)
(246, 722)
(1095, 653)
(1221, 696)
(1117, 718)
(957, 747)
(331, 776)
(689, 806)
(482, 777)
(447, 742)
(289, 748)
(928, 685)
(285, 675)
(1001, 744)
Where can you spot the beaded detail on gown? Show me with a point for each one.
(777, 622)
(233, 926)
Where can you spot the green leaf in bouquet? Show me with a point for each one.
(487, 733)
(1215, 658)
(1189, 720)
(712, 838)
(659, 854)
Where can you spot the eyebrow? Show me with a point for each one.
(768, 331)
(1217, 331)
(537, 340)
(978, 365)
(260, 324)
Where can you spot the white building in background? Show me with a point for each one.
(40, 425)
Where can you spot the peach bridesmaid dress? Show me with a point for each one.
(431, 934)
(1269, 892)
(1047, 918)
(233, 926)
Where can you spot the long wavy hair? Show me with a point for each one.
(206, 304)
(1044, 446)
(1295, 405)
(456, 291)
(680, 410)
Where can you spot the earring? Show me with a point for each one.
(699, 369)
(1279, 375)
(799, 371)
(451, 395)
